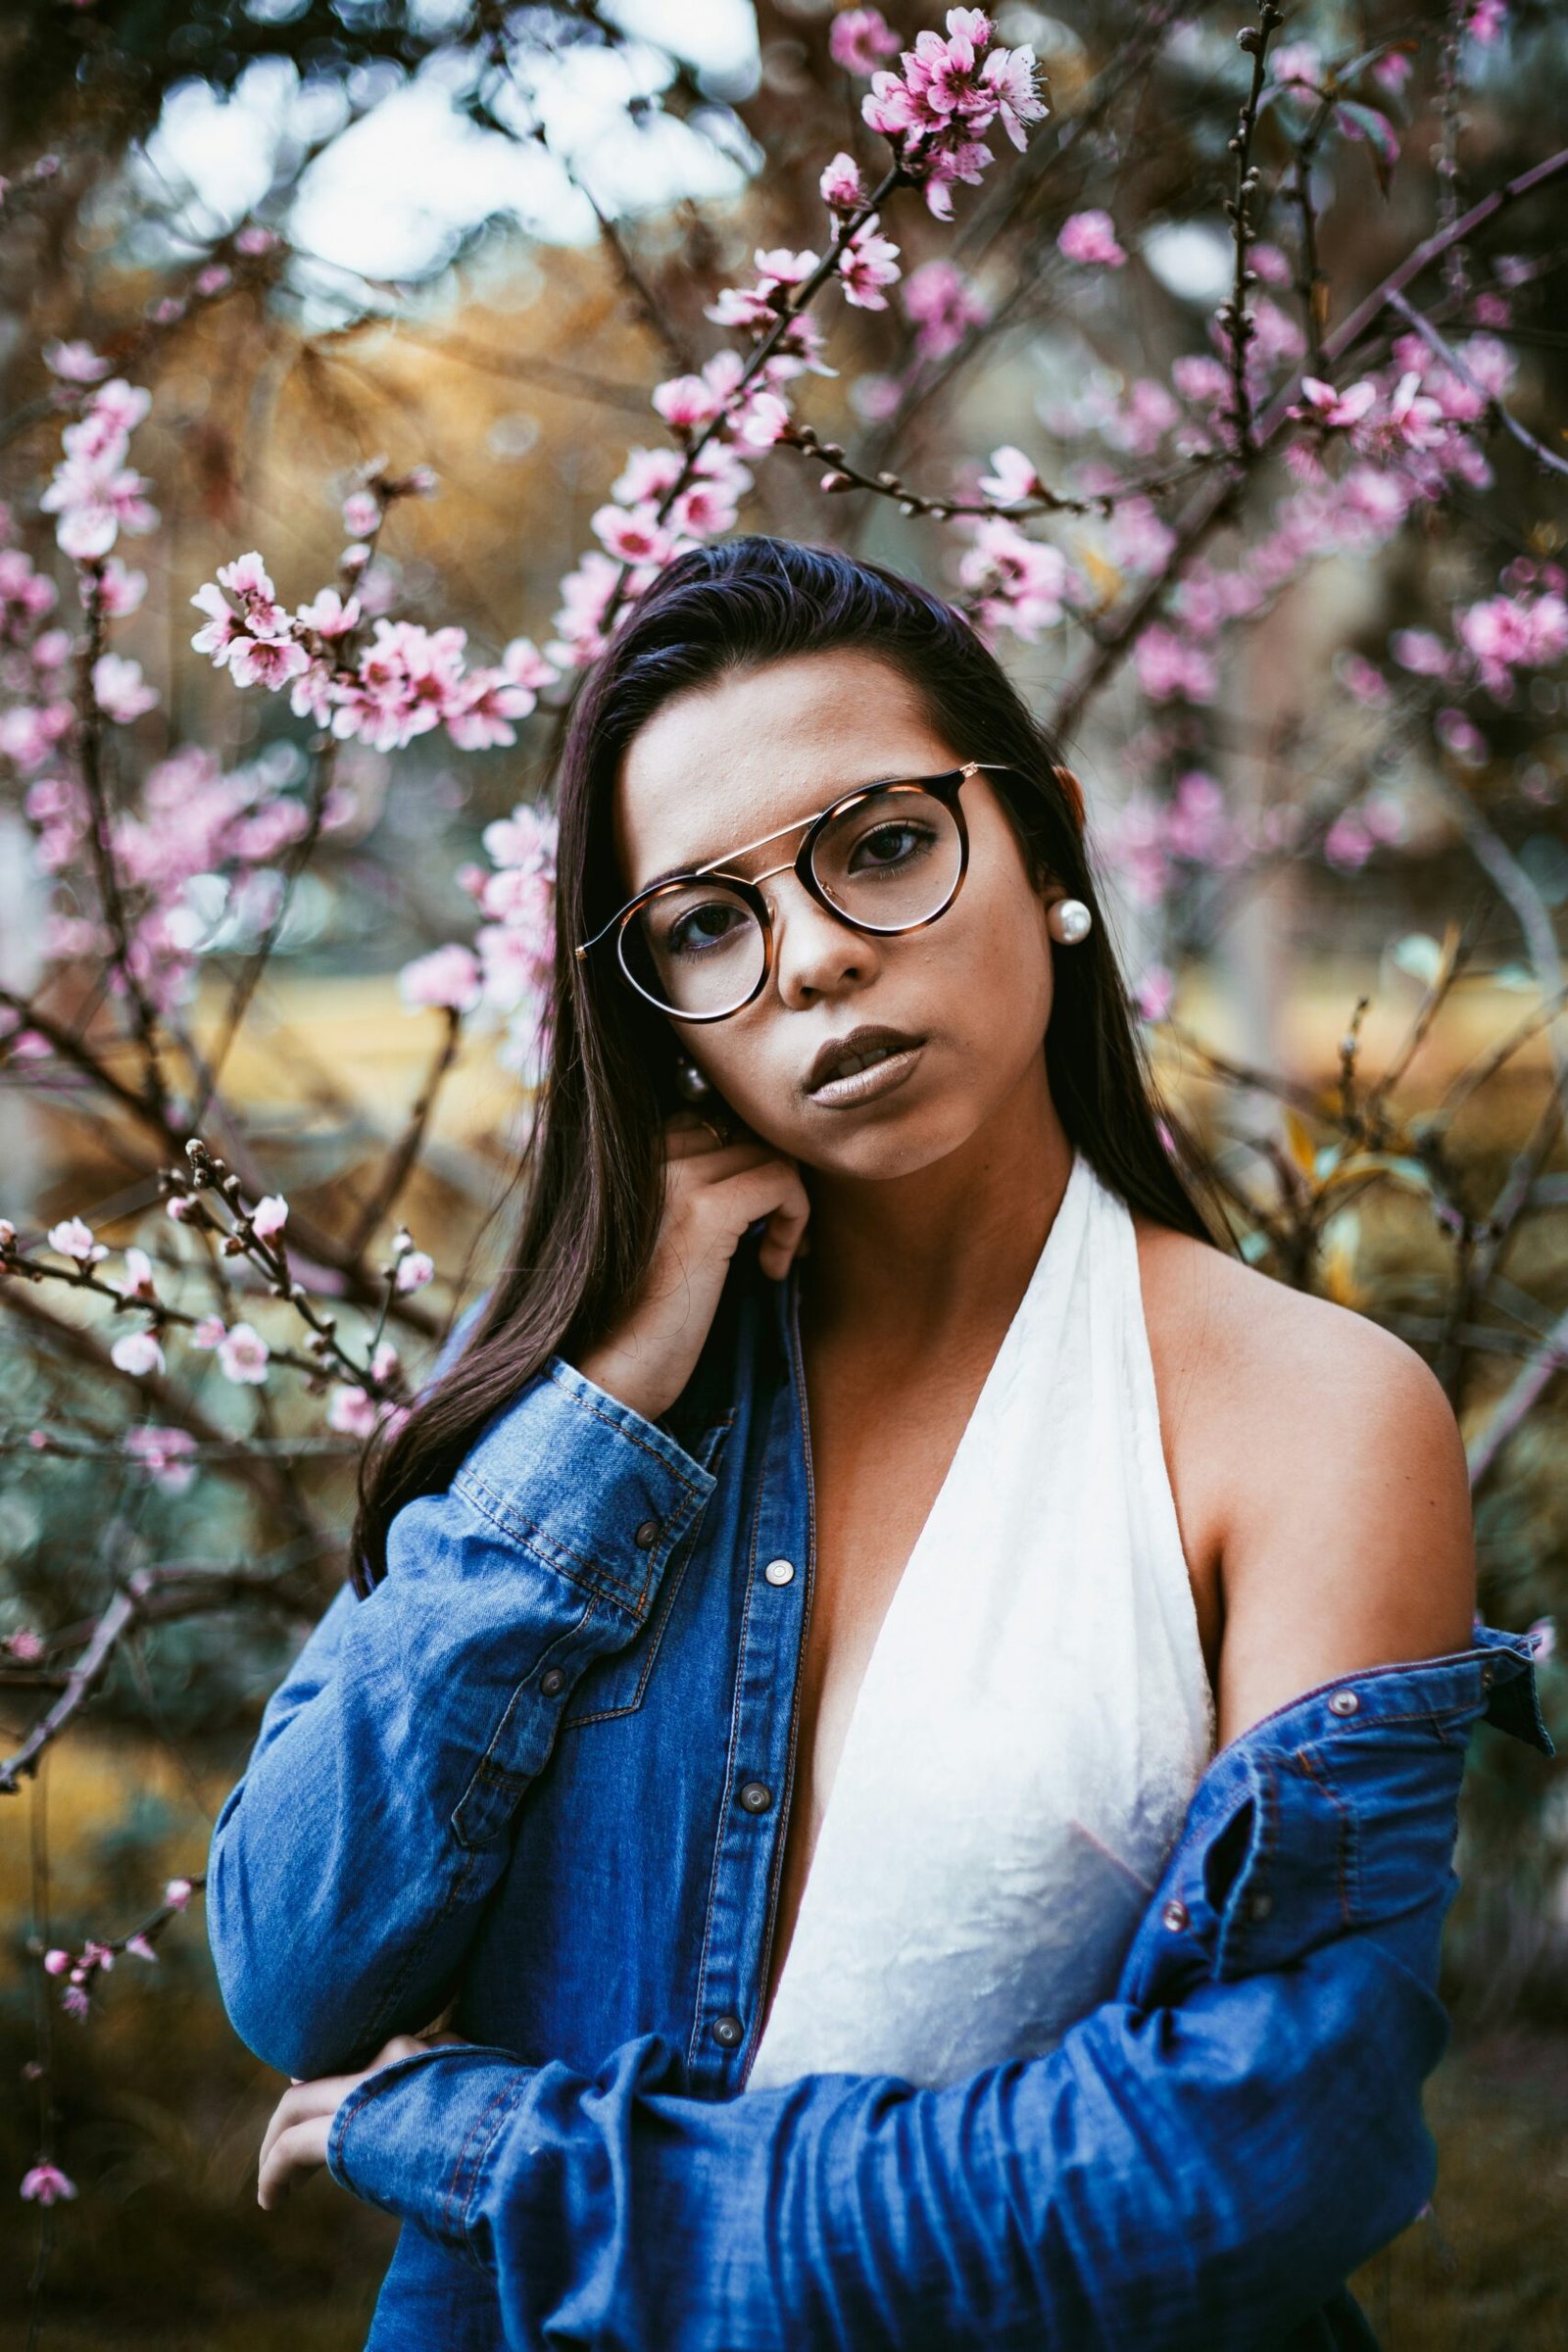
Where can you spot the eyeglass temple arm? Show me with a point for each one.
(760, 843)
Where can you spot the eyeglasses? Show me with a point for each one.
(882, 858)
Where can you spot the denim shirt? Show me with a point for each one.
(510, 1777)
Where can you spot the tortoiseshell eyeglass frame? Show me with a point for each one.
(945, 788)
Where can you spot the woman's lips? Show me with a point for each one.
(883, 1077)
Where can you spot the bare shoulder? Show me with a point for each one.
(1326, 1468)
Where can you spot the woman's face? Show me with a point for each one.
(725, 764)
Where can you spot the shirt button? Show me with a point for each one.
(1260, 1906)
(756, 1796)
(647, 1535)
(728, 2031)
(1344, 1703)
(779, 1572)
(552, 1681)
(1174, 1914)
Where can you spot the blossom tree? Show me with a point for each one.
(205, 1325)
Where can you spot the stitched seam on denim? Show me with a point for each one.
(593, 1575)
(1438, 1719)
(1348, 1872)
(496, 2105)
(680, 1561)
(487, 1761)
(694, 2046)
(631, 1436)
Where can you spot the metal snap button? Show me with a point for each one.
(1487, 1675)
(755, 1795)
(729, 2030)
(552, 1681)
(647, 1535)
(779, 1572)
(1174, 1916)
(1344, 1703)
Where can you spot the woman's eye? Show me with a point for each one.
(700, 929)
(893, 844)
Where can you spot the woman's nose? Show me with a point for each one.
(814, 954)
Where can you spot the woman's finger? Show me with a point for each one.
(302, 2148)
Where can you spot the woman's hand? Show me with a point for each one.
(296, 2137)
(713, 1191)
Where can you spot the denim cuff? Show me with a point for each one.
(415, 2137)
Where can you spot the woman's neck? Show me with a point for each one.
(906, 1261)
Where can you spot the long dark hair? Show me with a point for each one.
(592, 1167)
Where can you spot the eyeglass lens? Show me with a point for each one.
(887, 862)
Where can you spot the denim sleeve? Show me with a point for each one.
(349, 1866)
(1198, 2165)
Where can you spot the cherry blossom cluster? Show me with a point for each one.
(509, 968)
(80, 1969)
(950, 92)
(95, 492)
(405, 681)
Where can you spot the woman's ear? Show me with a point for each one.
(1074, 792)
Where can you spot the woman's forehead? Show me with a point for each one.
(717, 768)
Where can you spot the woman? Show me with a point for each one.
(793, 1631)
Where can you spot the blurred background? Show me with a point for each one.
(340, 240)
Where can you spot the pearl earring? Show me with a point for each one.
(690, 1082)
(1070, 921)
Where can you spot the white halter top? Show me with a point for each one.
(1035, 1716)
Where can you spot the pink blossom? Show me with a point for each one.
(448, 978)
(139, 1283)
(116, 407)
(1012, 476)
(1334, 411)
(56, 1962)
(178, 1894)
(161, 1453)
(1393, 71)
(686, 403)
(120, 590)
(414, 1270)
(120, 690)
(269, 1216)
(1486, 22)
(1543, 1638)
(842, 188)
(222, 631)
(213, 279)
(862, 39)
(1348, 843)
(243, 1355)
(352, 1410)
(73, 2000)
(866, 265)
(944, 305)
(1362, 680)
(1091, 239)
(1418, 649)
(1460, 735)
(73, 1239)
(247, 579)
(1140, 541)
(269, 662)
(74, 363)
(1297, 66)
(766, 418)
(140, 1948)
(210, 1331)
(27, 1648)
(1170, 666)
(253, 238)
(635, 537)
(362, 514)
(329, 617)
(1023, 583)
(47, 2184)
(137, 1352)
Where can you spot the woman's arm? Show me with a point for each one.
(349, 1865)
(1199, 2164)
